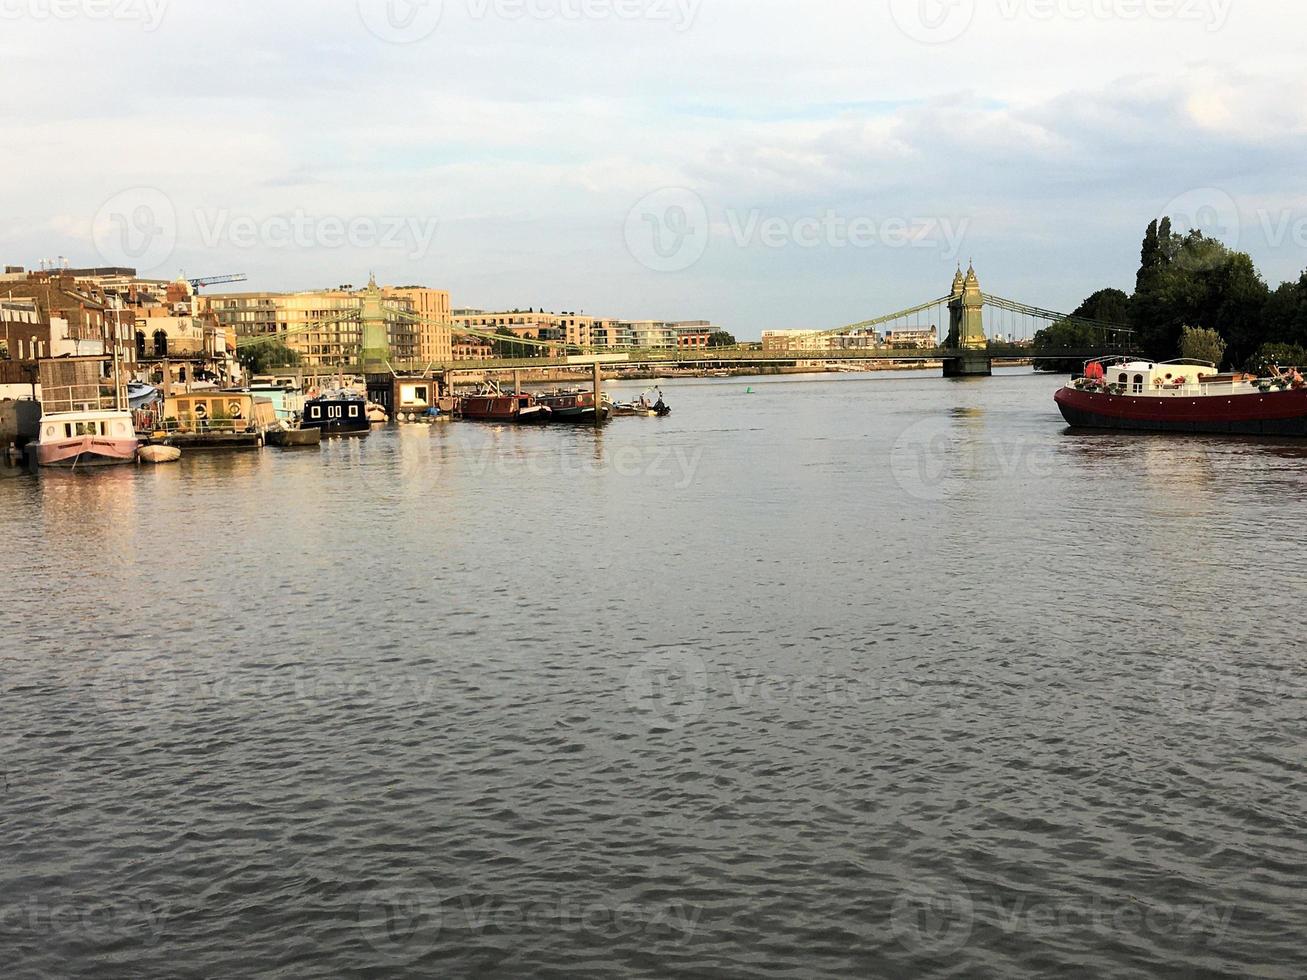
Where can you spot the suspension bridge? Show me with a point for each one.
(965, 350)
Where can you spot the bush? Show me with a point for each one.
(1270, 356)
(1198, 344)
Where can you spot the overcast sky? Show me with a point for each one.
(757, 162)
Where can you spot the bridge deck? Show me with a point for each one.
(728, 356)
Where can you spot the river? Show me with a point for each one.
(845, 676)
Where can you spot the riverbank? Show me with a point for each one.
(763, 371)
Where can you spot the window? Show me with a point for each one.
(1139, 384)
(315, 412)
(353, 411)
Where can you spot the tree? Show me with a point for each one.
(1194, 279)
(1150, 257)
(512, 347)
(1285, 316)
(1108, 305)
(1201, 344)
(720, 338)
(263, 357)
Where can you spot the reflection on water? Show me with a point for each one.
(869, 676)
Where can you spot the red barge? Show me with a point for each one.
(1184, 396)
(521, 409)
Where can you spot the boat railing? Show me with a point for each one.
(187, 425)
(78, 398)
(1191, 389)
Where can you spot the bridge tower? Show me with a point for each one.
(966, 333)
(376, 341)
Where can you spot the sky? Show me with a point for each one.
(759, 163)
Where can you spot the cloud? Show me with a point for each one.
(529, 140)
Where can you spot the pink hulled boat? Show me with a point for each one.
(93, 438)
(84, 417)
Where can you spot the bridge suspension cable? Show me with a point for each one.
(900, 315)
(499, 337)
(254, 340)
(1039, 313)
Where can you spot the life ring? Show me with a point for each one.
(201, 412)
(234, 409)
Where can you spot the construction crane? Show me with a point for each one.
(198, 284)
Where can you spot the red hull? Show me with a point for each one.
(1275, 413)
(517, 409)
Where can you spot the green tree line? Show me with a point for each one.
(1193, 294)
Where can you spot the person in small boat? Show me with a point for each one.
(660, 406)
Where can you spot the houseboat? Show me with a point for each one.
(519, 409)
(575, 406)
(407, 398)
(215, 420)
(84, 419)
(337, 413)
(1184, 396)
(98, 437)
(285, 394)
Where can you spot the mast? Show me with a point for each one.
(117, 379)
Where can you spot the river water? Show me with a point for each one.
(851, 676)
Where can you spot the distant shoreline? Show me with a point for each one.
(757, 372)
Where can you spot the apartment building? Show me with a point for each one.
(325, 328)
(572, 329)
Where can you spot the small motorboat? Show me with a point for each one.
(158, 454)
(644, 407)
(140, 394)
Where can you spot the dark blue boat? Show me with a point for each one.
(337, 414)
